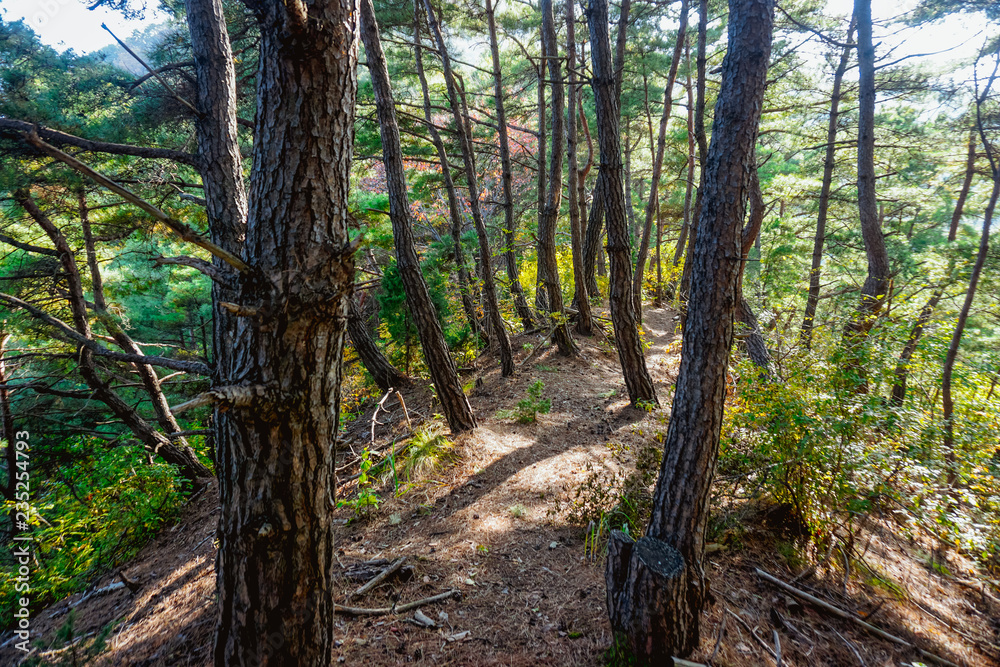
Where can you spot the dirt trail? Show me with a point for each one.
(488, 526)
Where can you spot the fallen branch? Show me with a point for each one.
(380, 577)
(400, 609)
(837, 611)
(761, 642)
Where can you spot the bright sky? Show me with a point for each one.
(68, 24)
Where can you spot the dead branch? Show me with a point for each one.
(229, 396)
(746, 626)
(836, 611)
(209, 269)
(379, 578)
(397, 609)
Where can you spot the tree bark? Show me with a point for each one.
(499, 331)
(386, 375)
(547, 222)
(652, 205)
(630, 353)
(903, 365)
(510, 224)
(277, 449)
(465, 289)
(584, 318)
(878, 284)
(751, 336)
(689, 186)
(829, 162)
(541, 295)
(654, 608)
(439, 362)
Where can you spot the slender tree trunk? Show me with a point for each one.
(463, 122)
(701, 138)
(541, 295)
(903, 365)
(584, 319)
(277, 452)
(633, 227)
(829, 162)
(963, 315)
(652, 204)
(464, 283)
(7, 424)
(657, 585)
(751, 336)
(439, 362)
(637, 380)
(510, 224)
(689, 185)
(970, 172)
(548, 221)
(878, 284)
(382, 371)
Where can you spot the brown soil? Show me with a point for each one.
(493, 525)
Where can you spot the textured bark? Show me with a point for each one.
(463, 122)
(829, 161)
(277, 450)
(547, 222)
(948, 402)
(592, 235)
(652, 205)
(637, 380)
(541, 295)
(442, 367)
(382, 371)
(963, 194)
(877, 285)
(506, 171)
(584, 318)
(7, 424)
(657, 613)
(465, 289)
(750, 335)
(689, 186)
(181, 456)
(903, 365)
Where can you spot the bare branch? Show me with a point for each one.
(28, 247)
(211, 270)
(230, 396)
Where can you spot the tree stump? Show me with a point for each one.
(646, 579)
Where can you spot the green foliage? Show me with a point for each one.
(90, 514)
(366, 499)
(530, 407)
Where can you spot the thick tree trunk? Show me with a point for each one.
(637, 380)
(386, 375)
(878, 284)
(277, 450)
(465, 289)
(463, 122)
(657, 587)
(963, 194)
(829, 162)
(963, 316)
(510, 224)
(652, 205)
(548, 221)
(584, 318)
(439, 362)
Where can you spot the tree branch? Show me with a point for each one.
(28, 247)
(211, 270)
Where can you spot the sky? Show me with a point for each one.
(68, 24)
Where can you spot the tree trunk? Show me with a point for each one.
(7, 424)
(903, 365)
(541, 295)
(701, 138)
(439, 362)
(463, 123)
(386, 375)
(689, 186)
(277, 450)
(652, 204)
(963, 315)
(750, 335)
(829, 162)
(657, 587)
(970, 171)
(637, 380)
(510, 224)
(584, 318)
(464, 283)
(548, 221)
(878, 283)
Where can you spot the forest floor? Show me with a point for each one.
(493, 525)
